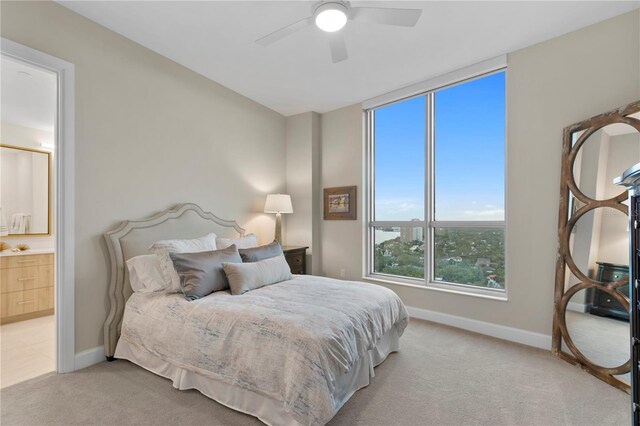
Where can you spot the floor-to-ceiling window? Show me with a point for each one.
(436, 187)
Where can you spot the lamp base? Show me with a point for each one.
(278, 235)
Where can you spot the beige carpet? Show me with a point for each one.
(605, 341)
(441, 376)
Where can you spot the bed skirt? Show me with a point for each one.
(268, 410)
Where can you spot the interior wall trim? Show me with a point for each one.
(64, 201)
(89, 357)
(517, 335)
(453, 77)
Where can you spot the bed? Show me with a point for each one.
(291, 353)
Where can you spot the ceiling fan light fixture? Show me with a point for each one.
(331, 17)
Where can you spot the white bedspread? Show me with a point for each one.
(288, 341)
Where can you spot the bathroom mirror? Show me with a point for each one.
(591, 308)
(25, 192)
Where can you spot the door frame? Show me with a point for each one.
(64, 233)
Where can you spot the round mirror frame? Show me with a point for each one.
(566, 223)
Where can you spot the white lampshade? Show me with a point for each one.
(278, 203)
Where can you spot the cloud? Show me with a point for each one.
(498, 214)
(398, 209)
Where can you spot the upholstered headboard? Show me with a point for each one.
(133, 238)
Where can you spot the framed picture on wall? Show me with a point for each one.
(340, 203)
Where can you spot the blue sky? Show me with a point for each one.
(469, 154)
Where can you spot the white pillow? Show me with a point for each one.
(145, 275)
(244, 277)
(248, 241)
(164, 247)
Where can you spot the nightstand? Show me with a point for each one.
(603, 304)
(296, 258)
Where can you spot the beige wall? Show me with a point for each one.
(149, 134)
(303, 184)
(342, 165)
(549, 86)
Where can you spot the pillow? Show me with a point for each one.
(245, 242)
(250, 276)
(256, 254)
(145, 274)
(163, 248)
(201, 273)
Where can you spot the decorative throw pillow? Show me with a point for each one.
(201, 273)
(244, 277)
(163, 248)
(247, 241)
(256, 254)
(145, 275)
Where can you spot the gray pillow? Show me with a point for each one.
(250, 276)
(256, 254)
(201, 273)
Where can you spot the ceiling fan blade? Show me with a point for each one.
(338, 47)
(283, 32)
(379, 15)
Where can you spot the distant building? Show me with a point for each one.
(482, 262)
(492, 283)
(409, 233)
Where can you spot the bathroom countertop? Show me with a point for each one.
(8, 252)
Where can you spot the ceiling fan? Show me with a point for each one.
(331, 16)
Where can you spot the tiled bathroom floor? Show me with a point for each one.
(27, 350)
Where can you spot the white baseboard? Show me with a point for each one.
(89, 357)
(517, 335)
(577, 307)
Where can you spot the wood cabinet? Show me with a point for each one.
(603, 303)
(296, 258)
(26, 286)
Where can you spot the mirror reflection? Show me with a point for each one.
(24, 191)
(597, 323)
(600, 237)
(603, 340)
(603, 156)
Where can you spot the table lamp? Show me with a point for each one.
(278, 204)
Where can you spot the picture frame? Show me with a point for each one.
(340, 203)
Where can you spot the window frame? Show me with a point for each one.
(428, 224)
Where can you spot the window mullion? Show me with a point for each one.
(370, 233)
(396, 223)
(466, 224)
(428, 187)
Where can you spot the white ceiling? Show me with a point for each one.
(29, 95)
(217, 40)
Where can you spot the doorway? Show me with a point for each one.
(36, 214)
(27, 184)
